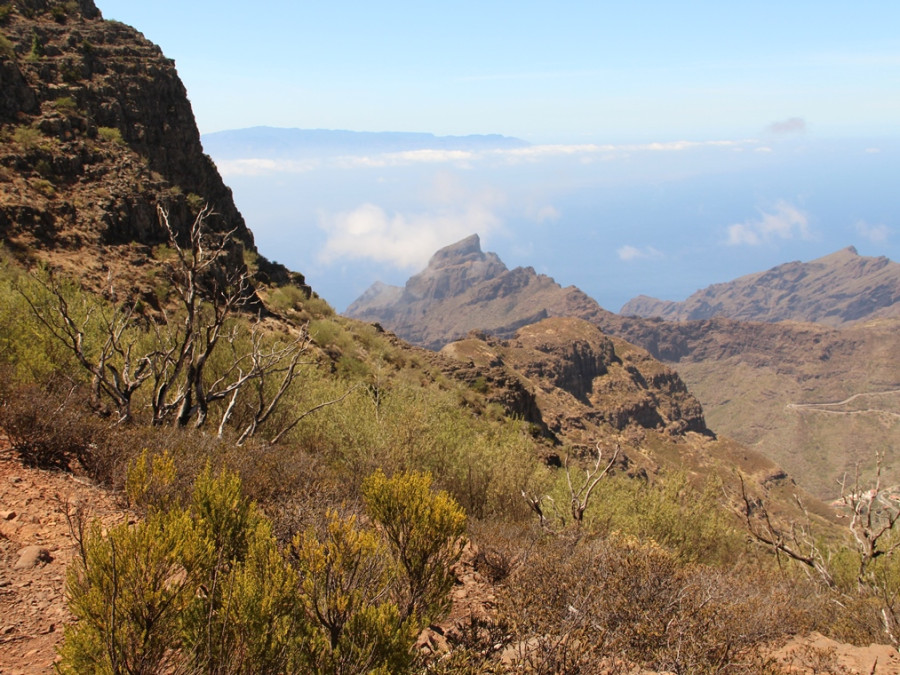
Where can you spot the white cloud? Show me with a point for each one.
(544, 214)
(629, 253)
(258, 167)
(786, 221)
(588, 152)
(877, 234)
(406, 240)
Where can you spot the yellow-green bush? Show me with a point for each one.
(204, 587)
(128, 591)
(424, 531)
(345, 582)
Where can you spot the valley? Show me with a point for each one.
(754, 378)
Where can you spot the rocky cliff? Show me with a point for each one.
(759, 382)
(840, 288)
(97, 131)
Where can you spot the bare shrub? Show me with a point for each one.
(575, 603)
(49, 426)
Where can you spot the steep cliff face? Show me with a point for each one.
(97, 131)
(584, 381)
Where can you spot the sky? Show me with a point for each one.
(674, 145)
(566, 71)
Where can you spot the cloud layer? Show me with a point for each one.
(467, 158)
(785, 221)
(403, 240)
(877, 234)
(628, 253)
(792, 125)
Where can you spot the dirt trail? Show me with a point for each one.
(35, 547)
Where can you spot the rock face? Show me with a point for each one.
(754, 379)
(584, 380)
(97, 131)
(463, 289)
(840, 288)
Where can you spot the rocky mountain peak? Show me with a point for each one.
(454, 269)
(466, 250)
(463, 289)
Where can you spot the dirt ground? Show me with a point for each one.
(36, 544)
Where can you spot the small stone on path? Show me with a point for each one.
(31, 556)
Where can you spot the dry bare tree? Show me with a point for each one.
(874, 515)
(116, 371)
(579, 492)
(209, 291)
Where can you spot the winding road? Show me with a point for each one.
(825, 407)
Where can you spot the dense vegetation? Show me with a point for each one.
(329, 539)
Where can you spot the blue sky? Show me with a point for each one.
(675, 144)
(546, 72)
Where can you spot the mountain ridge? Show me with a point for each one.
(748, 375)
(840, 288)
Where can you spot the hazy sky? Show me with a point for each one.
(547, 72)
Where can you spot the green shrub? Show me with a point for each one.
(44, 186)
(110, 135)
(318, 307)
(5, 11)
(195, 202)
(71, 71)
(128, 591)
(345, 578)
(7, 50)
(424, 530)
(58, 12)
(37, 46)
(200, 585)
(287, 298)
(28, 137)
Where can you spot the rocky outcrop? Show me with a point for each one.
(98, 131)
(838, 289)
(584, 380)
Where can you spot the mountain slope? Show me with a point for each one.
(840, 288)
(752, 378)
